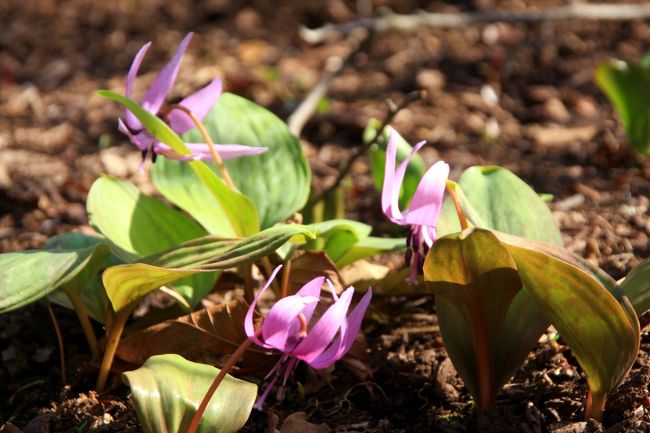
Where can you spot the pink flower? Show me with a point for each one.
(422, 214)
(200, 103)
(286, 328)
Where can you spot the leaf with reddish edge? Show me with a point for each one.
(603, 334)
(167, 389)
(480, 308)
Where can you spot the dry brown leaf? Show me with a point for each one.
(206, 336)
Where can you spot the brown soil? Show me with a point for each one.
(555, 130)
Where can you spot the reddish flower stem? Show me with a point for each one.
(461, 216)
(208, 141)
(196, 419)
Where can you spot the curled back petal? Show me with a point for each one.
(393, 179)
(163, 82)
(312, 288)
(321, 335)
(130, 119)
(249, 327)
(427, 200)
(199, 103)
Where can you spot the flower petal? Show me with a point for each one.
(312, 288)
(322, 334)
(130, 119)
(249, 328)
(163, 82)
(199, 103)
(427, 200)
(346, 338)
(393, 179)
(281, 324)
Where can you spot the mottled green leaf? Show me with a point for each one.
(602, 333)
(167, 389)
(502, 202)
(28, 276)
(278, 181)
(139, 225)
(126, 284)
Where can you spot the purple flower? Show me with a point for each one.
(422, 214)
(286, 328)
(199, 103)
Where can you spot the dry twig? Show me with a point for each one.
(334, 67)
(393, 21)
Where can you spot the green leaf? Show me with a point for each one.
(337, 236)
(239, 210)
(627, 85)
(87, 284)
(368, 247)
(139, 225)
(28, 276)
(414, 171)
(502, 202)
(126, 284)
(636, 286)
(278, 181)
(487, 322)
(181, 185)
(167, 389)
(586, 315)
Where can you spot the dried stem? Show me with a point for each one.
(305, 110)
(196, 419)
(213, 150)
(284, 289)
(59, 339)
(247, 271)
(393, 21)
(82, 314)
(390, 115)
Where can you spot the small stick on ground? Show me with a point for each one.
(393, 21)
(390, 115)
(305, 110)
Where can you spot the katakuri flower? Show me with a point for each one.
(422, 214)
(199, 103)
(286, 328)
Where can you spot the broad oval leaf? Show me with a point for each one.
(87, 284)
(182, 186)
(602, 333)
(487, 323)
(636, 287)
(126, 284)
(627, 85)
(167, 389)
(503, 202)
(28, 276)
(278, 181)
(139, 225)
